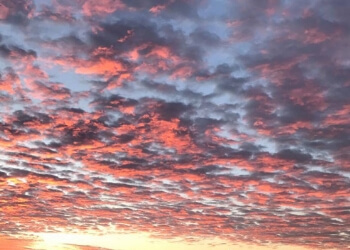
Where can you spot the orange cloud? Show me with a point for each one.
(104, 7)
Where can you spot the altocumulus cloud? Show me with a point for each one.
(187, 119)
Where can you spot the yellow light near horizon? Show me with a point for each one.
(44, 245)
(140, 241)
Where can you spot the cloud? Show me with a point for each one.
(16, 12)
(176, 118)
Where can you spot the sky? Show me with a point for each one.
(174, 124)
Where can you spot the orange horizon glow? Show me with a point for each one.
(125, 241)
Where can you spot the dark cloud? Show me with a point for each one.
(16, 52)
(144, 4)
(168, 111)
(17, 12)
(143, 31)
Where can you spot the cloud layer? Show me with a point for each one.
(180, 118)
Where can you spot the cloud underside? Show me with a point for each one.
(179, 118)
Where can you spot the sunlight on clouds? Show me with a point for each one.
(192, 124)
